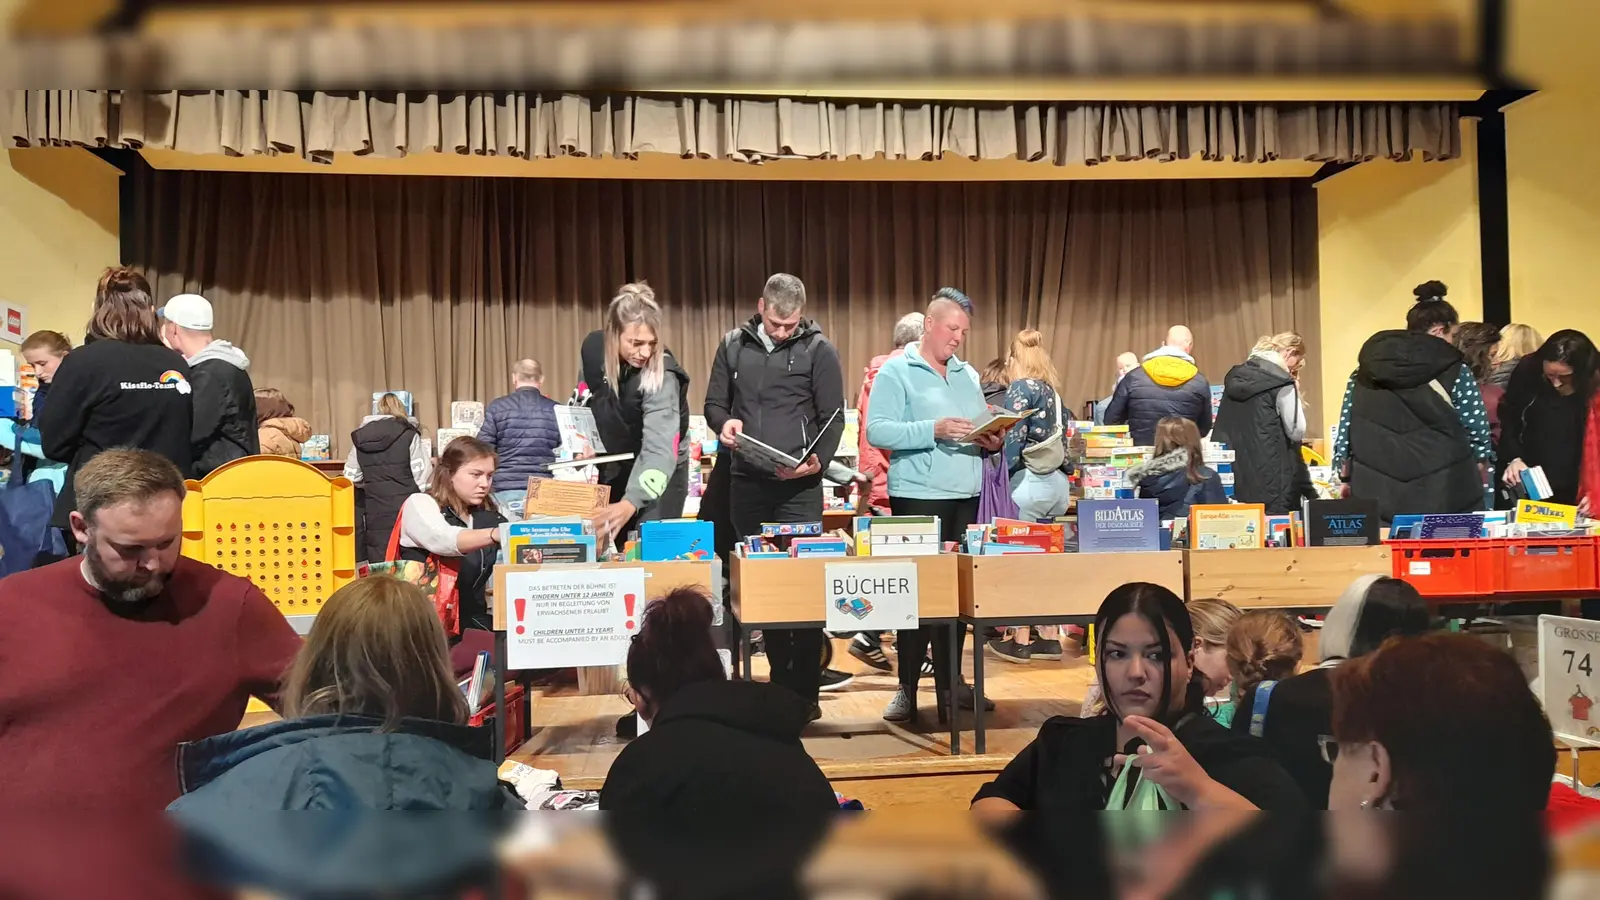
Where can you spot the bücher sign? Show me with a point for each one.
(871, 596)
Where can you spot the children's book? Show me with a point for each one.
(444, 436)
(1051, 536)
(466, 414)
(548, 550)
(1530, 511)
(515, 535)
(994, 421)
(669, 539)
(1233, 526)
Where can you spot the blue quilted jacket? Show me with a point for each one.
(521, 427)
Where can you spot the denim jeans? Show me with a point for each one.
(1040, 496)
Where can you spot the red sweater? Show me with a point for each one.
(93, 705)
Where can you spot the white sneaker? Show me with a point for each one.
(901, 708)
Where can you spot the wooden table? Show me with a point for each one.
(1048, 589)
(1281, 577)
(792, 593)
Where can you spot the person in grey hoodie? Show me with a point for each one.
(224, 399)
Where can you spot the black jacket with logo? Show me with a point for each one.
(1268, 467)
(1408, 448)
(782, 396)
(113, 394)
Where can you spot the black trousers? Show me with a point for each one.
(912, 646)
(795, 654)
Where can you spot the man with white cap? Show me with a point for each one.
(224, 398)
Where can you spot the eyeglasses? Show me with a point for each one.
(1329, 747)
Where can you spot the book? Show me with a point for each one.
(1054, 535)
(549, 497)
(479, 683)
(1404, 526)
(588, 461)
(547, 550)
(1044, 542)
(1233, 526)
(444, 436)
(1280, 531)
(790, 529)
(668, 539)
(466, 414)
(994, 421)
(1341, 523)
(515, 534)
(1531, 511)
(770, 458)
(316, 448)
(819, 546)
(1457, 527)
(1535, 484)
(992, 549)
(579, 433)
(905, 536)
(1119, 526)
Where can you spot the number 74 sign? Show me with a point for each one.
(1567, 656)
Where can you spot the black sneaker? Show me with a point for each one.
(927, 667)
(835, 680)
(1043, 649)
(628, 726)
(870, 652)
(816, 711)
(1011, 651)
(966, 698)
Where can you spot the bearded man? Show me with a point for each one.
(109, 660)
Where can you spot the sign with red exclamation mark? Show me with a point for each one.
(521, 606)
(561, 615)
(628, 601)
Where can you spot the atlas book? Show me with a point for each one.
(1341, 523)
(1232, 526)
(1119, 526)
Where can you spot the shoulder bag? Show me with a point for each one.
(1048, 455)
(436, 576)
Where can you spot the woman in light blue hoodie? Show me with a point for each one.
(922, 402)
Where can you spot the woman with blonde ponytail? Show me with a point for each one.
(1263, 419)
(640, 398)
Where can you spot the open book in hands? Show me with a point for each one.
(994, 421)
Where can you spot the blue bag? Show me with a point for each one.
(25, 509)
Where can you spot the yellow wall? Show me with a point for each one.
(58, 232)
(1383, 228)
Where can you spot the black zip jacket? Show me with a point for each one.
(782, 397)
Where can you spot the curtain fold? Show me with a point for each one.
(316, 125)
(339, 286)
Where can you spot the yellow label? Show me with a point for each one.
(1540, 511)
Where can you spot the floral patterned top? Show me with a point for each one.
(1029, 393)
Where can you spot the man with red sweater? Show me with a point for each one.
(109, 660)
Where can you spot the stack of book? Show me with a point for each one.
(1015, 536)
(793, 540)
(1103, 454)
(546, 540)
(1220, 459)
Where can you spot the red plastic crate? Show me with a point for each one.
(1450, 568)
(1549, 565)
(517, 711)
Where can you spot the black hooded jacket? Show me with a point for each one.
(619, 409)
(383, 450)
(782, 396)
(1409, 450)
(1064, 768)
(721, 750)
(1268, 467)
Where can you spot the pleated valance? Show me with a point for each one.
(319, 125)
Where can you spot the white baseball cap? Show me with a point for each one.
(190, 311)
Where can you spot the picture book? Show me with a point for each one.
(676, 539)
(994, 421)
(905, 536)
(444, 436)
(579, 433)
(549, 497)
(1119, 526)
(1233, 526)
(1043, 542)
(1341, 523)
(1529, 511)
(547, 550)
(1458, 527)
(514, 535)
(819, 546)
(467, 414)
(316, 448)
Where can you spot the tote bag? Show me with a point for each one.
(25, 509)
(436, 576)
(994, 496)
(1048, 455)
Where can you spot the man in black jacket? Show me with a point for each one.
(778, 380)
(1166, 383)
(224, 399)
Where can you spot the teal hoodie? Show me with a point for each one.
(907, 397)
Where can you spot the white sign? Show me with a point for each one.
(1569, 658)
(870, 596)
(558, 616)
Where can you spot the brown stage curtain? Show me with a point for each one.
(317, 125)
(338, 286)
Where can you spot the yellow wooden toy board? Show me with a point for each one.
(278, 522)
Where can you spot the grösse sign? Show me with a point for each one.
(871, 596)
(1569, 658)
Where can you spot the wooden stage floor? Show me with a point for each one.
(866, 758)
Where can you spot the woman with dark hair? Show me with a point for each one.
(1153, 746)
(122, 388)
(373, 719)
(1413, 432)
(1474, 741)
(1478, 343)
(1176, 475)
(1546, 418)
(1299, 709)
(709, 749)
